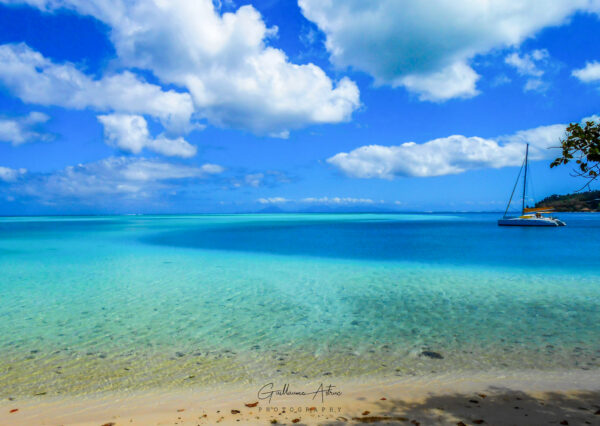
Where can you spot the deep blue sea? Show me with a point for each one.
(89, 304)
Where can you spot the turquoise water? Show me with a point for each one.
(91, 304)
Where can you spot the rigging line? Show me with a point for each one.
(514, 188)
(525, 178)
(531, 188)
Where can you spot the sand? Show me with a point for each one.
(515, 398)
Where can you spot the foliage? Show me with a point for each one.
(582, 201)
(582, 145)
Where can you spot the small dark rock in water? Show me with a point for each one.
(431, 354)
(102, 356)
(354, 323)
(474, 401)
(180, 354)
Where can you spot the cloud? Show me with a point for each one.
(337, 200)
(130, 133)
(318, 200)
(35, 79)
(398, 42)
(10, 175)
(254, 179)
(588, 74)
(223, 60)
(20, 130)
(528, 65)
(269, 178)
(124, 177)
(273, 200)
(450, 155)
(455, 81)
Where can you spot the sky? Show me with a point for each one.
(200, 106)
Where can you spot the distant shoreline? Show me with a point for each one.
(578, 202)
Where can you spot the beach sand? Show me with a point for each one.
(515, 398)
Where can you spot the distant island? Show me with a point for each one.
(577, 202)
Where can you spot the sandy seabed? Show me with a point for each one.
(511, 398)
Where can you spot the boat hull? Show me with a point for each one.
(530, 222)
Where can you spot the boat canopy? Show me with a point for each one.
(538, 209)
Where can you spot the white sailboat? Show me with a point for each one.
(529, 216)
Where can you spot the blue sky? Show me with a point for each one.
(112, 106)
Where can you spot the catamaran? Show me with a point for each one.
(529, 216)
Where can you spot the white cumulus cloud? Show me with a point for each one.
(20, 130)
(400, 42)
(223, 60)
(130, 133)
(36, 79)
(457, 80)
(449, 155)
(588, 74)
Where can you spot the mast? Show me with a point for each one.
(525, 179)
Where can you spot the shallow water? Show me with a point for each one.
(134, 302)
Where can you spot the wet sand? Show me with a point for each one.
(515, 398)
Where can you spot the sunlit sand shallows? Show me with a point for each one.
(151, 320)
(517, 397)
